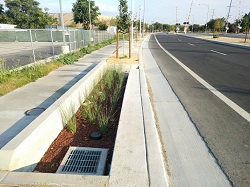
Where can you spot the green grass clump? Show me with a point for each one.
(216, 35)
(13, 79)
(69, 118)
(100, 106)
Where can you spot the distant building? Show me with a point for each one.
(7, 26)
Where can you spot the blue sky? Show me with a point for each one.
(163, 11)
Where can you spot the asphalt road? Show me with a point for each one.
(16, 54)
(226, 133)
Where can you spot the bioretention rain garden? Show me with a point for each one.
(98, 113)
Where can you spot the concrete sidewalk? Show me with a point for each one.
(21, 106)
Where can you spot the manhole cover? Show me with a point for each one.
(84, 160)
(34, 111)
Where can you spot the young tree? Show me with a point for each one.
(123, 23)
(123, 19)
(26, 14)
(81, 12)
(246, 24)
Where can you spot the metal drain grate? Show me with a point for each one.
(84, 160)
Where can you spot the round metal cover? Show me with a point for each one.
(95, 136)
(34, 111)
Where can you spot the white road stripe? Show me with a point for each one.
(230, 103)
(179, 40)
(218, 52)
(190, 44)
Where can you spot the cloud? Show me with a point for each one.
(107, 8)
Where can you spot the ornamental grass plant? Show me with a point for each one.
(100, 106)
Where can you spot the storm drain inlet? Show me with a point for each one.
(84, 160)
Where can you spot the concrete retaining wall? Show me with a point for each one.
(24, 151)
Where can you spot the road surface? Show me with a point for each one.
(223, 127)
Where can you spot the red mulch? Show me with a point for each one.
(57, 150)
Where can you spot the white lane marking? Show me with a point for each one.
(230, 103)
(179, 40)
(190, 44)
(218, 52)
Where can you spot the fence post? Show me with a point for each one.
(53, 48)
(75, 39)
(33, 50)
(70, 44)
(16, 37)
(82, 38)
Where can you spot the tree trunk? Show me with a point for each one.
(129, 39)
(117, 43)
(246, 35)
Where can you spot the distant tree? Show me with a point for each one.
(112, 22)
(232, 28)
(246, 24)
(210, 24)
(103, 26)
(157, 26)
(26, 14)
(81, 12)
(166, 27)
(3, 17)
(172, 27)
(1, 9)
(217, 25)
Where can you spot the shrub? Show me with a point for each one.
(103, 27)
(216, 35)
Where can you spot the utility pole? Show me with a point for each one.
(132, 24)
(140, 7)
(90, 25)
(239, 18)
(213, 13)
(65, 47)
(228, 15)
(144, 8)
(187, 23)
(176, 14)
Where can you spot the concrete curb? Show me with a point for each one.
(129, 166)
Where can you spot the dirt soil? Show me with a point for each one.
(51, 160)
(228, 39)
(123, 59)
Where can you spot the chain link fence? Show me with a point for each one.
(21, 47)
